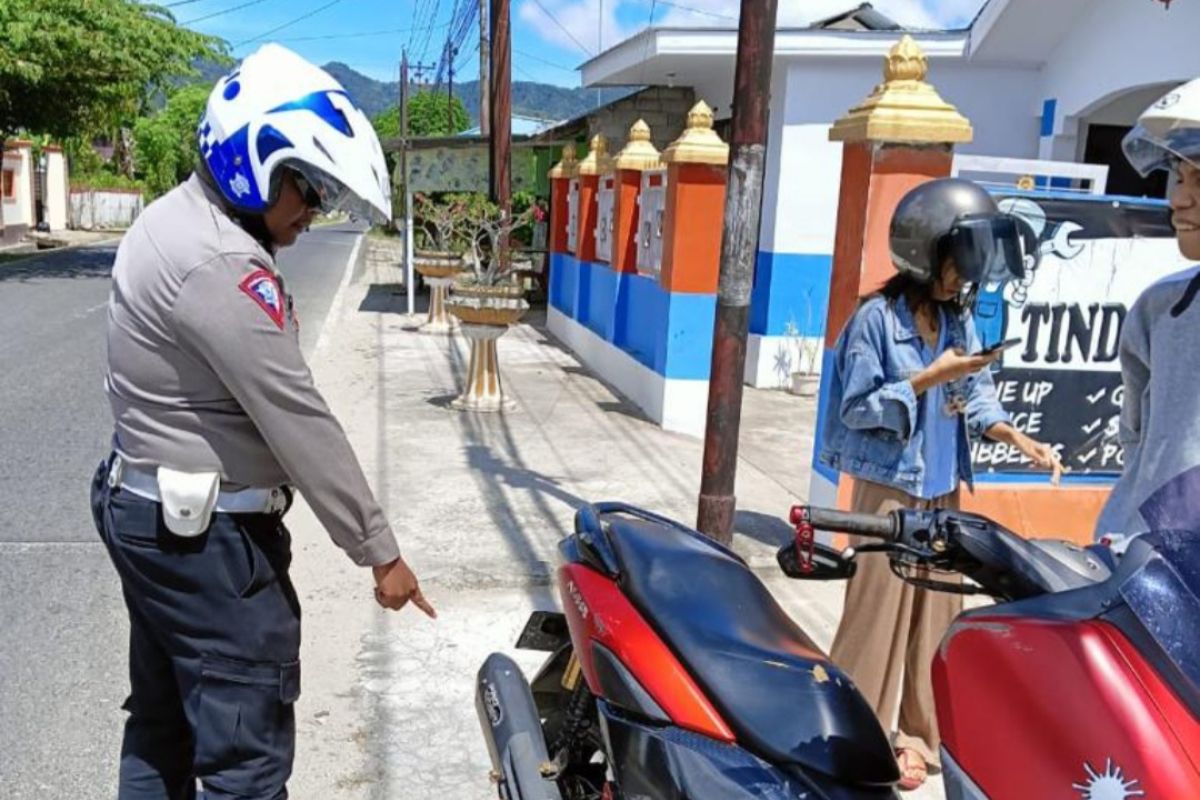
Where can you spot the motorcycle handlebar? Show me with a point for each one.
(826, 519)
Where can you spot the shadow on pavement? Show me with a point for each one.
(84, 262)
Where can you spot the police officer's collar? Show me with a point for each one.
(253, 224)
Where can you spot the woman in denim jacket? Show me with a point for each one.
(909, 391)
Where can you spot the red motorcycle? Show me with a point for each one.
(674, 674)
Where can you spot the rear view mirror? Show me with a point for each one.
(826, 564)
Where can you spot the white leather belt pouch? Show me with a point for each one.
(188, 499)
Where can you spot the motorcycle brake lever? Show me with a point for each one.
(805, 545)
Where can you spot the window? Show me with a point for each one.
(8, 188)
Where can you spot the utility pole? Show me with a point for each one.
(451, 52)
(739, 243)
(485, 123)
(409, 277)
(600, 46)
(501, 107)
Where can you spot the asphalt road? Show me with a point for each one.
(62, 623)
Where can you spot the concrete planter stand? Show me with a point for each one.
(485, 313)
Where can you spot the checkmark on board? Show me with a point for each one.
(1084, 459)
(1090, 428)
(1097, 397)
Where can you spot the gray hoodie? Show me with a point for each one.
(1160, 418)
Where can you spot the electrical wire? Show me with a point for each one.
(554, 19)
(435, 11)
(289, 24)
(222, 12)
(538, 58)
(699, 11)
(356, 35)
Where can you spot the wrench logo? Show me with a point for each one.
(1060, 243)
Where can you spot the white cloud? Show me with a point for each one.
(575, 24)
(909, 13)
(623, 18)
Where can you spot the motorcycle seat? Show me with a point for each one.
(782, 697)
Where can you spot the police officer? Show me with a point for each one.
(217, 418)
(1160, 362)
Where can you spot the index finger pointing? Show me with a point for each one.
(420, 602)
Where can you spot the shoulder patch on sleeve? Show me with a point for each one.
(263, 289)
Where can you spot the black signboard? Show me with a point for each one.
(1062, 384)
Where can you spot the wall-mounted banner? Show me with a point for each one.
(1062, 384)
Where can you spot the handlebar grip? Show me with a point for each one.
(827, 519)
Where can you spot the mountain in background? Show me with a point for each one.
(539, 100)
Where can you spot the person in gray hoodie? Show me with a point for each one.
(1160, 362)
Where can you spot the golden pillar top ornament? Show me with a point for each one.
(699, 143)
(638, 154)
(568, 167)
(904, 108)
(597, 161)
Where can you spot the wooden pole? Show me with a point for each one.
(739, 245)
(485, 122)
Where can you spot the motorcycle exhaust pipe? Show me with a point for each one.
(513, 731)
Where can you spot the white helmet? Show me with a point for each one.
(276, 109)
(1167, 132)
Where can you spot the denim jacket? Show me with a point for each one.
(868, 421)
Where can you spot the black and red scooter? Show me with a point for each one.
(674, 674)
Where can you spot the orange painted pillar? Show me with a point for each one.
(638, 155)
(695, 206)
(875, 175)
(560, 190)
(899, 137)
(593, 165)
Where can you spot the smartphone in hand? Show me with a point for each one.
(1004, 345)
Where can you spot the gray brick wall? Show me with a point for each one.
(664, 109)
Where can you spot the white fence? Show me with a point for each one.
(104, 209)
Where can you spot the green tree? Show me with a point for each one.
(429, 114)
(71, 68)
(165, 143)
(387, 124)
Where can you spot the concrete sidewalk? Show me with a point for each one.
(479, 503)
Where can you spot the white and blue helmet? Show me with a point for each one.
(278, 110)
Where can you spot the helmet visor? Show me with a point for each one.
(333, 195)
(989, 248)
(1148, 151)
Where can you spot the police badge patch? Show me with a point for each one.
(261, 287)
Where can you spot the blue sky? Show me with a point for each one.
(551, 37)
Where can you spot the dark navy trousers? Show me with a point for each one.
(214, 651)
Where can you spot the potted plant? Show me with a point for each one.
(486, 299)
(438, 225)
(438, 266)
(805, 378)
(492, 271)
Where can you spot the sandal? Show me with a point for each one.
(913, 769)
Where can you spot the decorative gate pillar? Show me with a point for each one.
(696, 172)
(638, 155)
(591, 168)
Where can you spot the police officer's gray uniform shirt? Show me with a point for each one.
(1160, 416)
(205, 371)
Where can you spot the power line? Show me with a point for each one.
(434, 12)
(524, 72)
(701, 12)
(416, 16)
(222, 12)
(357, 35)
(181, 3)
(554, 19)
(289, 24)
(563, 67)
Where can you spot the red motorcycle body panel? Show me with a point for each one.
(597, 611)
(1043, 708)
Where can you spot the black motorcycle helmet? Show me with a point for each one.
(955, 218)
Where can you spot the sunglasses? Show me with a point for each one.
(312, 198)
